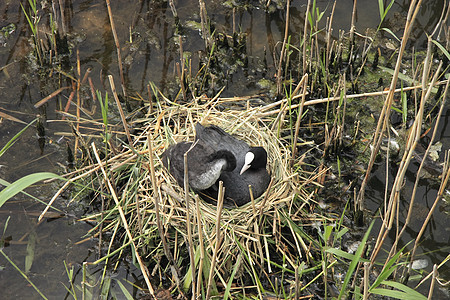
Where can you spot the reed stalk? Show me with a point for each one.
(142, 266)
(283, 49)
(119, 107)
(385, 112)
(218, 239)
(303, 82)
(188, 221)
(117, 43)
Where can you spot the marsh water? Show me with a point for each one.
(150, 51)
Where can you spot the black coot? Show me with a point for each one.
(205, 164)
(218, 156)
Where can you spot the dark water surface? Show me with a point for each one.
(149, 53)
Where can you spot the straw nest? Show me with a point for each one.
(176, 123)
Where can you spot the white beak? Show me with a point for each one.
(249, 156)
(244, 168)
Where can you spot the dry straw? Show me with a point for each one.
(176, 123)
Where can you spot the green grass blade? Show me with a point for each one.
(22, 183)
(13, 140)
(23, 274)
(391, 266)
(344, 254)
(230, 281)
(412, 294)
(355, 261)
(6, 183)
(391, 33)
(106, 286)
(381, 9)
(442, 48)
(33, 28)
(31, 249)
(124, 290)
(403, 292)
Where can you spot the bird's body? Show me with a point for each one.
(204, 163)
(209, 162)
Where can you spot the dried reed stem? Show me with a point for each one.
(173, 9)
(262, 110)
(54, 198)
(217, 239)
(419, 171)
(55, 93)
(119, 107)
(200, 241)
(78, 101)
(188, 220)
(183, 89)
(204, 22)
(157, 208)
(256, 229)
(150, 103)
(116, 40)
(413, 138)
(305, 34)
(385, 112)
(297, 283)
(143, 268)
(304, 83)
(442, 189)
(352, 37)
(412, 141)
(329, 34)
(283, 48)
(433, 281)
(366, 281)
(63, 21)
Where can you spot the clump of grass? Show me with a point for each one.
(48, 41)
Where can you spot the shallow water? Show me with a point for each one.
(149, 54)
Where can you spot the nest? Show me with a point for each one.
(163, 220)
(176, 123)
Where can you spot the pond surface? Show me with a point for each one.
(150, 51)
